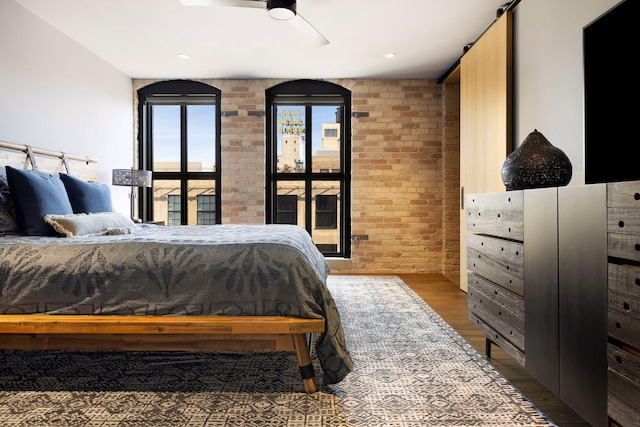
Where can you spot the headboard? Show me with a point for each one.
(27, 157)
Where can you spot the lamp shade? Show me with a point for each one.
(281, 10)
(132, 178)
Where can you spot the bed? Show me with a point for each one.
(149, 287)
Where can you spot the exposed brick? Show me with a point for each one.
(405, 169)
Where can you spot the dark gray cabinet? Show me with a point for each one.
(542, 306)
(564, 273)
(582, 295)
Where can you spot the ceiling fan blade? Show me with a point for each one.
(258, 4)
(304, 28)
(308, 31)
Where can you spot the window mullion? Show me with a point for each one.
(184, 165)
(308, 153)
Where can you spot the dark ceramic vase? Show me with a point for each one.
(536, 164)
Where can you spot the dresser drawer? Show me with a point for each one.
(517, 354)
(500, 261)
(624, 304)
(623, 220)
(497, 214)
(499, 308)
(625, 246)
(623, 386)
(625, 363)
(625, 194)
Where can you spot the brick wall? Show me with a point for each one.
(451, 181)
(399, 182)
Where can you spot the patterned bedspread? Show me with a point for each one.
(181, 270)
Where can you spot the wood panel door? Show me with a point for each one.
(485, 118)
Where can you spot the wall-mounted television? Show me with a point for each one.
(612, 116)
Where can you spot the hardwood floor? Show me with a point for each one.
(446, 298)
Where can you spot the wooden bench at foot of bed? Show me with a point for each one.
(161, 333)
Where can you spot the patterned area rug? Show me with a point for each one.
(412, 369)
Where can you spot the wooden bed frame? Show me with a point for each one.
(150, 333)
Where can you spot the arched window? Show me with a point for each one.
(179, 140)
(309, 161)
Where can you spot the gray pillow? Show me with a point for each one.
(98, 224)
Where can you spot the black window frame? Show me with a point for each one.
(287, 205)
(201, 213)
(183, 93)
(170, 204)
(326, 218)
(309, 93)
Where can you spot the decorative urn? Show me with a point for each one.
(536, 163)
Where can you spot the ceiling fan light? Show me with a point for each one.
(281, 10)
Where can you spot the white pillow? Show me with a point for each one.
(97, 224)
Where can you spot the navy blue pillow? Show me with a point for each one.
(36, 194)
(8, 223)
(87, 197)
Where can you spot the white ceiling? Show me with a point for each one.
(142, 38)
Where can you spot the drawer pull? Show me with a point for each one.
(636, 196)
(618, 325)
(626, 306)
(619, 359)
(637, 281)
(621, 224)
(637, 246)
(498, 215)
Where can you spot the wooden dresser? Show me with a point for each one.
(537, 286)
(554, 280)
(495, 259)
(623, 227)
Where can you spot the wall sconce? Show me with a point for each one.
(132, 178)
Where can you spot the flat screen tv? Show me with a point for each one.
(612, 116)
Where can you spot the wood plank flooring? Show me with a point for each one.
(446, 298)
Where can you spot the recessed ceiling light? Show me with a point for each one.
(390, 55)
(183, 56)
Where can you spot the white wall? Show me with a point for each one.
(548, 72)
(55, 94)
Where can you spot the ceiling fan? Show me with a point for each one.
(282, 10)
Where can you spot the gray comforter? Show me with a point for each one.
(184, 270)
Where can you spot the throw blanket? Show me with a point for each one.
(180, 270)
